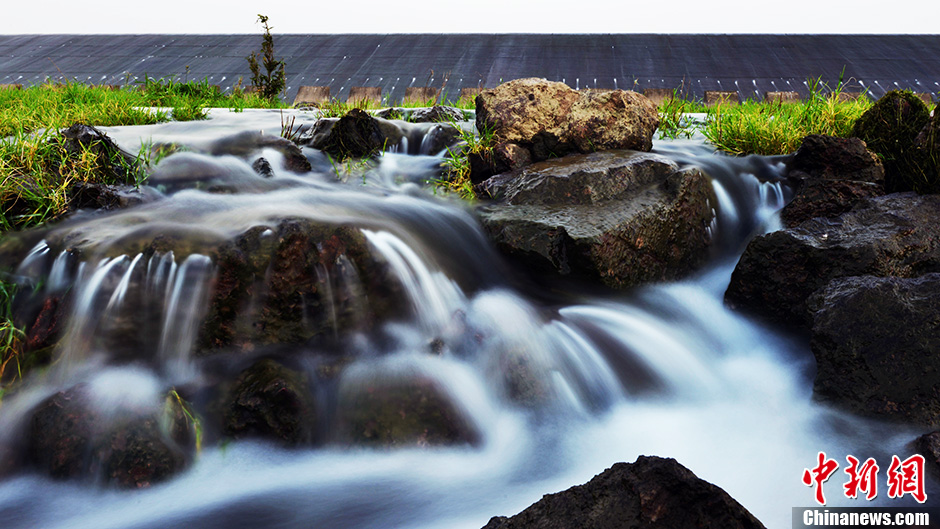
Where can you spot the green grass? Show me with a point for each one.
(779, 128)
(672, 121)
(52, 106)
(456, 164)
(37, 172)
(11, 340)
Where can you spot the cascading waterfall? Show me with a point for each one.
(557, 390)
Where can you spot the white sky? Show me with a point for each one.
(470, 16)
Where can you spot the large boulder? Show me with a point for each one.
(651, 493)
(876, 345)
(289, 281)
(830, 175)
(549, 119)
(300, 281)
(893, 235)
(621, 217)
(890, 128)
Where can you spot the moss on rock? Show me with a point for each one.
(890, 128)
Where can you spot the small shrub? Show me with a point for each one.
(890, 129)
(273, 81)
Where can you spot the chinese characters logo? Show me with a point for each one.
(903, 477)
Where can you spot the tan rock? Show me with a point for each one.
(551, 119)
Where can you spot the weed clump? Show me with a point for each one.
(273, 81)
(890, 129)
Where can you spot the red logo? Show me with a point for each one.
(904, 477)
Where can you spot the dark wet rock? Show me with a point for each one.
(550, 119)
(582, 179)
(48, 324)
(91, 195)
(875, 340)
(367, 136)
(249, 144)
(114, 165)
(830, 176)
(430, 138)
(890, 128)
(893, 235)
(833, 158)
(652, 492)
(263, 167)
(504, 157)
(69, 438)
(355, 135)
(826, 198)
(436, 114)
(271, 401)
(299, 281)
(620, 217)
(928, 445)
(393, 411)
(9, 462)
(391, 113)
(61, 433)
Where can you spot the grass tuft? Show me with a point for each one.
(778, 127)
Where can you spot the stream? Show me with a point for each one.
(661, 370)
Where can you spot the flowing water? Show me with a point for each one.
(662, 370)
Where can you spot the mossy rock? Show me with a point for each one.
(400, 411)
(355, 135)
(890, 128)
(68, 437)
(928, 152)
(271, 401)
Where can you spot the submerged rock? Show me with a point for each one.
(271, 401)
(620, 217)
(894, 235)
(392, 410)
(652, 492)
(249, 145)
(299, 281)
(876, 342)
(70, 437)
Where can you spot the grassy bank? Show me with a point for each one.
(766, 128)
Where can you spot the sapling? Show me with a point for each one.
(271, 83)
